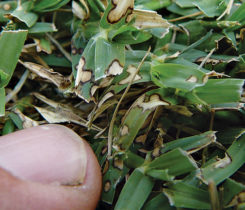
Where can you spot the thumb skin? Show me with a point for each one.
(48, 167)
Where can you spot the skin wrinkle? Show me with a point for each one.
(18, 194)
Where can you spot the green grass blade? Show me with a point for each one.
(231, 190)
(176, 161)
(219, 91)
(221, 170)
(183, 195)
(11, 51)
(177, 76)
(208, 7)
(8, 127)
(24, 14)
(111, 179)
(49, 5)
(139, 112)
(41, 27)
(191, 144)
(6, 7)
(160, 202)
(135, 191)
(16, 120)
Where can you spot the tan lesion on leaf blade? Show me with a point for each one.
(107, 186)
(144, 19)
(121, 8)
(106, 97)
(238, 199)
(49, 74)
(124, 130)
(6, 7)
(93, 89)
(222, 163)
(131, 70)
(106, 167)
(115, 68)
(153, 102)
(192, 79)
(82, 75)
(27, 122)
(141, 139)
(118, 163)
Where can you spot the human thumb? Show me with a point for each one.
(48, 167)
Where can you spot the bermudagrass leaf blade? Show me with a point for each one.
(159, 202)
(135, 191)
(224, 168)
(178, 76)
(139, 111)
(184, 195)
(191, 144)
(219, 91)
(109, 58)
(176, 161)
(11, 51)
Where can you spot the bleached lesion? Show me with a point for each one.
(144, 19)
(153, 102)
(192, 79)
(120, 10)
(131, 70)
(115, 68)
(124, 131)
(82, 75)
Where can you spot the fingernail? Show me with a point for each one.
(45, 154)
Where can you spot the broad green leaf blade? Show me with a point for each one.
(8, 127)
(44, 4)
(54, 60)
(48, 5)
(16, 119)
(2, 102)
(96, 8)
(135, 191)
(132, 160)
(231, 190)
(116, 13)
(183, 195)
(191, 144)
(109, 58)
(174, 8)
(185, 3)
(238, 16)
(224, 168)
(11, 51)
(178, 76)
(218, 91)
(160, 174)
(151, 5)
(24, 14)
(130, 36)
(6, 7)
(139, 111)
(209, 7)
(100, 59)
(198, 42)
(113, 175)
(28, 18)
(160, 202)
(176, 161)
(227, 136)
(41, 27)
